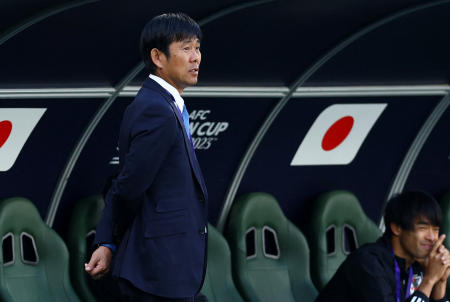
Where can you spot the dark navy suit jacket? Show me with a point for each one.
(163, 250)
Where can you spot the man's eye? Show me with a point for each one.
(186, 48)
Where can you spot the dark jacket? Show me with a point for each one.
(368, 274)
(156, 206)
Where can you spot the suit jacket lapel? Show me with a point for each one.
(189, 147)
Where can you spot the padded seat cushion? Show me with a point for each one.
(219, 285)
(46, 280)
(279, 269)
(340, 214)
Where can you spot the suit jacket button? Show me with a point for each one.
(202, 231)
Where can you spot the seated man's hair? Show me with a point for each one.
(405, 207)
(164, 29)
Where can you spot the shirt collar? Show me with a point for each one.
(170, 89)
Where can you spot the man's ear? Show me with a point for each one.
(157, 57)
(395, 229)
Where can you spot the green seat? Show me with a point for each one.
(85, 216)
(338, 226)
(445, 206)
(34, 259)
(219, 285)
(270, 256)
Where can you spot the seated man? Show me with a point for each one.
(408, 263)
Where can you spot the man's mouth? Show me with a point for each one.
(428, 246)
(194, 70)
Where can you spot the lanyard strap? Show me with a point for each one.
(398, 280)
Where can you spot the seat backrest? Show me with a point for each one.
(337, 227)
(85, 217)
(34, 259)
(445, 206)
(219, 285)
(270, 256)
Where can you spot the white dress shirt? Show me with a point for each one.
(170, 89)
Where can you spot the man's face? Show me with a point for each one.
(181, 68)
(418, 242)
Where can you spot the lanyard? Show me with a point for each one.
(398, 280)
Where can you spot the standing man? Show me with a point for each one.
(408, 263)
(155, 213)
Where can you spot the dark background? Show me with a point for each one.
(64, 44)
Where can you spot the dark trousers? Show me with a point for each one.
(129, 293)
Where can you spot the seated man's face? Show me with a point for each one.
(419, 241)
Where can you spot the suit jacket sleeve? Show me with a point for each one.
(152, 131)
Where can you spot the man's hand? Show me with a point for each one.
(435, 267)
(445, 257)
(445, 276)
(437, 262)
(98, 266)
(440, 287)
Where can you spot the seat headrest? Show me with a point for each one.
(12, 208)
(339, 208)
(257, 210)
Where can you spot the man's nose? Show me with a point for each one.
(196, 56)
(432, 235)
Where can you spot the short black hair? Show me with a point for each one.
(405, 207)
(164, 29)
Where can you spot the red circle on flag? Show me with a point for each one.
(5, 131)
(337, 133)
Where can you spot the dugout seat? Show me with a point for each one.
(445, 206)
(34, 259)
(219, 285)
(270, 256)
(337, 227)
(85, 216)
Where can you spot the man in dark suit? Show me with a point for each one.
(155, 215)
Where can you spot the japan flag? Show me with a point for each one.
(337, 134)
(16, 125)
